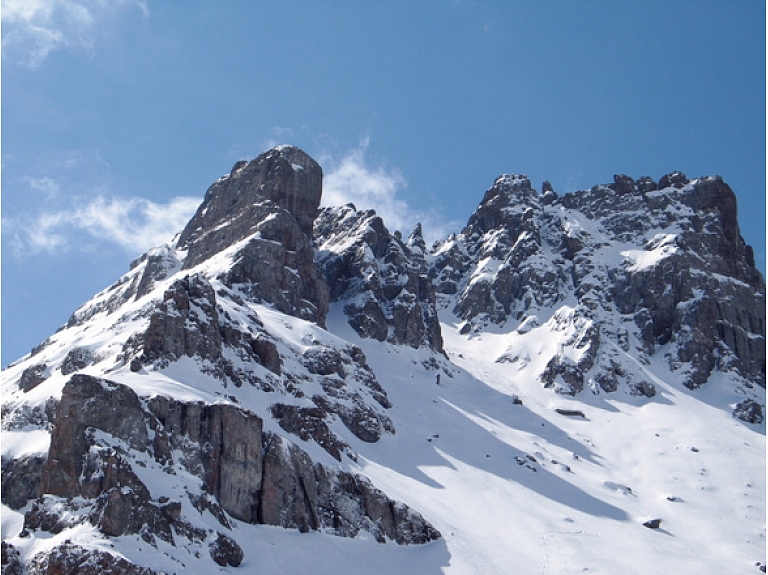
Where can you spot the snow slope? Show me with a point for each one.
(521, 488)
(517, 477)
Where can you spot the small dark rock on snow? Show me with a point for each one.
(570, 412)
(652, 523)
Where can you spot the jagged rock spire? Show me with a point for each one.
(271, 202)
(285, 175)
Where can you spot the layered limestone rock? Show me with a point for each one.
(220, 443)
(305, 496)
(284, 175)
(191, 321)
(103, 431)
(382, 280)
(692, 282)
(263, 211)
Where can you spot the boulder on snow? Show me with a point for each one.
(749, 411)
(225, 551)
(33, 376)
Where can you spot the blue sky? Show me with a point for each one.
(117, 116)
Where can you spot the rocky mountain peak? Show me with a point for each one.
(511, 183)
(383, 282)
(665, 254)
(416, 244)
(506, 204)
(232, 207)
(261, 215)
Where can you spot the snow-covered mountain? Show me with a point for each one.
(569, 384)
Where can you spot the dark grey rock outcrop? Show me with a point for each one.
(10, 560)
(383, 280)
(749, 411)
(78, 358)
(102, 431)
(21, 479)
(705, 295)
(504, 232)
(284, 175)
(309, 423)
(33, 376)
(221, 443)
(269, 204)
(71, 559)
(187, 323)
(277, 266)
(688, 280)
(298, 494)
(89, 402)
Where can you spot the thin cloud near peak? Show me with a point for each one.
(133, 224)
(136, 224)
(352, 179)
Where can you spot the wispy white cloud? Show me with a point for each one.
(32, 29)
(134, 224)
(353, 180)
(48, 187)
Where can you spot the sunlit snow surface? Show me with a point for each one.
(585, 486)
(661, 246)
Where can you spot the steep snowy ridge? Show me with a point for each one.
(570, 384)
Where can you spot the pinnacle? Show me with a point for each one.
(285, 175)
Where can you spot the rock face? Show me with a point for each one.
(285, 176)
(502, 271)
(684, 277)
(267, 205)
(383, 281)
(692, 261)
(300, 495)
(87, 402)
(185, 323)
(70, 559)
(102, 432)
(220, 442)
(191, 321)
(202, 388)
(200, 303)
(21, 479)
(32, 377)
